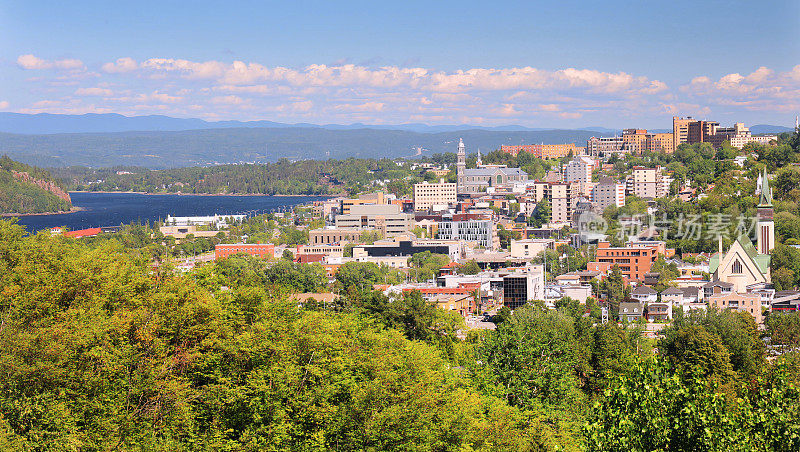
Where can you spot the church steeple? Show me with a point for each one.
(461, 164)
(765, 226)
(766, 192)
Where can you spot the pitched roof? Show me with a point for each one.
(643, 290)
(717, 283)
(672, 291)
(493, 171)
(766, 192)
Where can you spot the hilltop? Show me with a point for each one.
(25, 190)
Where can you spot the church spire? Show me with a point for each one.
(766, 193)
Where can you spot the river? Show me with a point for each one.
(113, 209)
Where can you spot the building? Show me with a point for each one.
(408, 248)
(579, 169)
(605, 146)
(529, 248)
(630, 311)
(180, 232)
(368, 198)
(562, 196)
(744, 264)
(262, 250)
(543, 151)
(82, 233)
(634, 261)
(608, 192)
(644, 294)
(480, 179)
(482, 232)
(692, 131)
(640, 140)
(385, 218)
(521, 287)
(743, 302)
(648, 182)
(327, 236)
(429, 196)
(220, 221)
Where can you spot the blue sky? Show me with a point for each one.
(539, 64)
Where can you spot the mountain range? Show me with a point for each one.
(47, 123)
(102, 140)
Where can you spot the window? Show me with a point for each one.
(736, 267)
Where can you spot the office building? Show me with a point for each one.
(385, 218)
(429, 196)
(521, 287)
(481, 232)
(633, 261)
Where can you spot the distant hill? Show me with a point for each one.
(766, 128)
(171, 149)
(25, 189)
(46, 123)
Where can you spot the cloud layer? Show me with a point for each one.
(390, 94)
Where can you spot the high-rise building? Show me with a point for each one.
(579, 169)
(648, 182)
(608, 192)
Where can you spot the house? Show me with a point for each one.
(673, 295)
(630, 311)
(717, 288)
(660, 310)
(81, 233)
(644, 294)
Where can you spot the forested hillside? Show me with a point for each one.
(260, 145)
(26, 189)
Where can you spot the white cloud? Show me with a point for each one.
(4, 104)
(94, 91)
(122, 65)
(32, 62)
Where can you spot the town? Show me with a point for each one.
(498, 238)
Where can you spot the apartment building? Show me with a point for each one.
(634, 261)
(385, 218)
(427, 195)
(579, 169)
(529, 248)
(608, 192)
(743, 302)
(648, 182)
(562, 196)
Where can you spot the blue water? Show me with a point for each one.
(113, 209)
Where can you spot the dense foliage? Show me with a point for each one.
(19, 196)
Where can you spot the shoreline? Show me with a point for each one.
(63, 212)
(160, 193)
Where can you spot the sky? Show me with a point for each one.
(561, 64)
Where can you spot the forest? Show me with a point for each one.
(101, 350)
(29, 196)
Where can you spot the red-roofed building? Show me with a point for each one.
(80, 233)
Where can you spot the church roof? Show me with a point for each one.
(761, 260)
